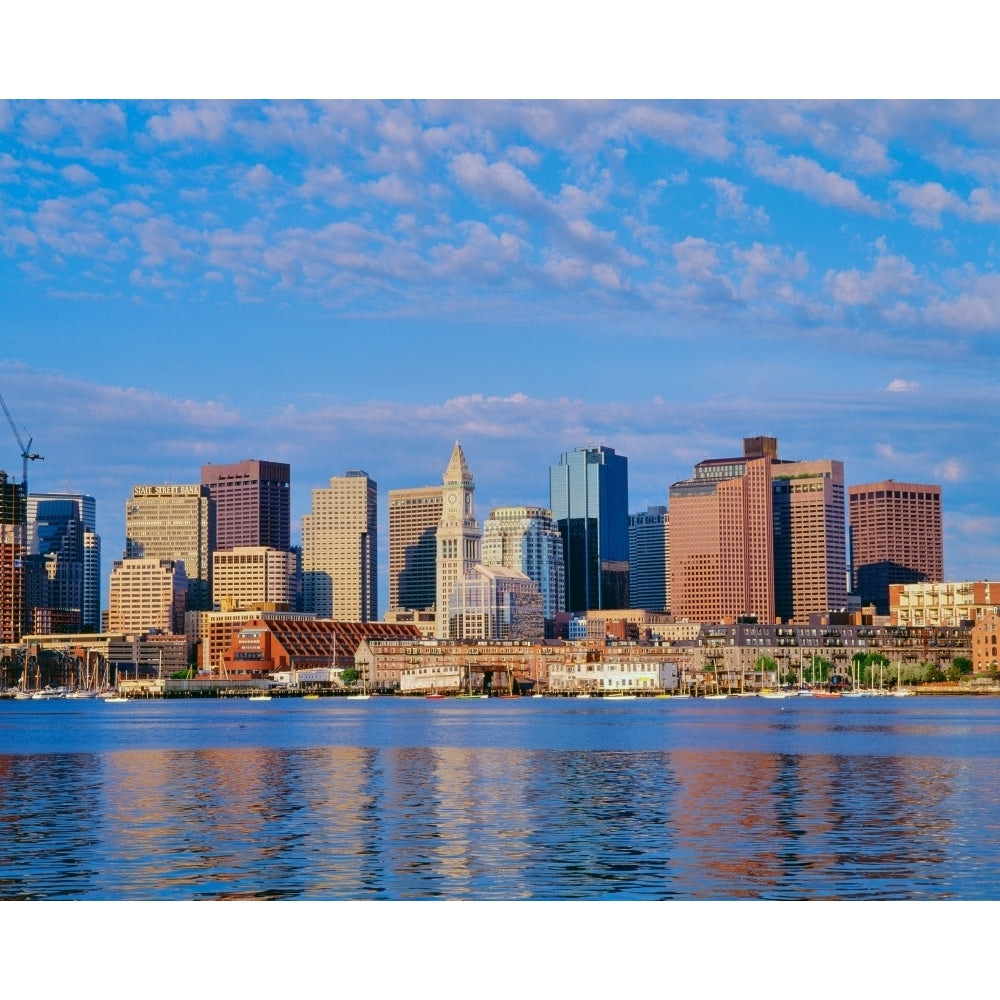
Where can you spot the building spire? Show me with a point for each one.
(457, 473)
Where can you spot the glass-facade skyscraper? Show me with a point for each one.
(588, 493)
(64, 556)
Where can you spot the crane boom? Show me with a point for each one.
(27, 455)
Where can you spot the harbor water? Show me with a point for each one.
(501, 799)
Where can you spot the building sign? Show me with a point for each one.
(166, 491)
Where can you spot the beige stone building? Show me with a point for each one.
(340, 550)
(414, 516)
(146, 595)
(253, 575)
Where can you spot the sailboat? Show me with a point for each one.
(899, 691)
(363, 694)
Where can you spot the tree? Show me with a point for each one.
(765, 665)
(349, 676)
(961, 666)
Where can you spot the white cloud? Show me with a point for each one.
(798, 173)
(731, 202)
(76, 174)
(950, 471)
(902, 385)
(927, 202)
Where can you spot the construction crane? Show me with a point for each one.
(27, 455)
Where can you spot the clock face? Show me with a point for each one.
(452, 498)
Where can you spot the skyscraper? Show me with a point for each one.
(896, 537)
(340, 550)
(63, 570)
(588, 492)
(251, 501)
(13, 549)
(722, 537)
(649, 583)
(810, 551)
(414, 516)
(174, 522)
(527, 539)
(458, 537)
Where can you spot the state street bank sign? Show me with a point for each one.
(166, 491)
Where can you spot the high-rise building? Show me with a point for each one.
(495, 602)
(648, 568)
(588, 492)
(722, 538)
(527, 539)
(55, 568)
(13, 549)
(810, 550)
(91, 580)
(458, 536)
(252, 503)
(174, 522)
(414, 516)
(147, 595)
(253, 576)
(340, 550)
(77, 548)
(896, 536)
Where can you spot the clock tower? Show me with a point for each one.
(458, 536)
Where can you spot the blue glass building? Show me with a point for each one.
(588, 493)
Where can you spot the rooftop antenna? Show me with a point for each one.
(26, 453)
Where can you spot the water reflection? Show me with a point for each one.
(790, 814)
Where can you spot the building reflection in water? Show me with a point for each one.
(398, 822)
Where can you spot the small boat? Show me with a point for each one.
(583, 695)
(358, 697)
(715, 697)
(310, 697)
(259, 697)
(115, 698)
(902, 692)
(827, 694)
(775, 694)
(434, 696)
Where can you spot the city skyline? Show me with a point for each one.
(359, 284)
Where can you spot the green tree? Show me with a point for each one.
(962, 664)
(349, 676)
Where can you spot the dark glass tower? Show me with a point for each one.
(588, 493)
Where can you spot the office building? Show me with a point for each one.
(495, 602)
(648, 569)
(147, 595)
(414, 516)
(251, 503)
(458, 536)
(174, 522)
(340, 550)
(810, 543)
(253, 576)
(722, 538)
(896, 536)
(63, 566)
(13, 549)
(588, 492)
(527, 539)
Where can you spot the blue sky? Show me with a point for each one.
(358, 284)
